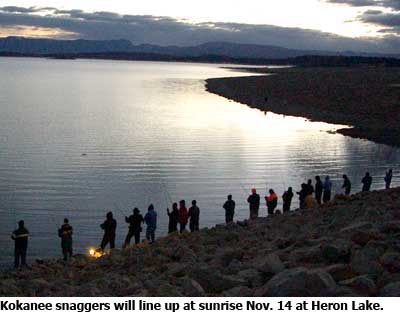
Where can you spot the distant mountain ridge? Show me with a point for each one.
(40, 46)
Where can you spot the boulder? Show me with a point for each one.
(357, 227)
(391, 261)
(252, 277)
(213, 281)
(190, 287)
(269, 265)
(391, 290)
(340, 271)
(241, 291)
(230, 254)
(363, 285)
(337, 251)
(299, 282)
(362, 237)
(365, 261)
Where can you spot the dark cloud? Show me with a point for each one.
(389, 21)
(170, 31)
(389, 4)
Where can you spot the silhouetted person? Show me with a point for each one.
(65, 232)
(367, 182)
(173, 218)
(272, 201)
(135, 222)
(194, 215)
(388, 178)
(151, 222)
(303, 194)
(287, 199)
(20, 237)
(254, 203)
(183, 216)
(346, 185)
(310, 187)
(327, 190)
(319, 187)
(229, 207)
(109, 227)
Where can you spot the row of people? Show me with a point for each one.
(183, 216)
(310, 195)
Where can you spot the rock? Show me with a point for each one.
(190, 287)
(362, 237)
(214, 282)
(363, 285)
(392, 227)
(391, 290)
(176, 269)
(230, 254)
(299, 282)
(340, 272)
(308, 255)
(391, 261)
(343, 291)
(365, 261)
(357, 227)
(270, 265)
(241, 291)
(252, 277)
(338, 251)
(387, 278)
(234, 267)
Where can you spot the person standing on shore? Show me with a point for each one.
(287, 199)
(65, 233)
(327, 190)
(310, 187)
(194, 216)
(272, 201)
(254, 203)
(173, 218)
(319, 187)
(303, 194)
(151, 222)
(367, 182)
(20, 237)
(109, 227)
(135, 222)
(229, 207)
(388, 178)
(183, 216)
(346, 185)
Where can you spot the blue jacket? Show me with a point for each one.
(151, 219)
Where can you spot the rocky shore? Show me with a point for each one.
(366, 98)
(349, 247)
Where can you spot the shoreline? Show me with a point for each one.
(365, 98)
(349, 247)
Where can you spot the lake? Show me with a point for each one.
(79, 138)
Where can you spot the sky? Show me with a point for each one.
(358, 25)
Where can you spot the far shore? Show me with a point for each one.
(366, 98)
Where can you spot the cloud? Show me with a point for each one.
(389, 21)
(388, 4)
(386, 15)
(170, 31)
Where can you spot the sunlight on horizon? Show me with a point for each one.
(307, 14)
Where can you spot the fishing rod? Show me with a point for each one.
(243, 188)
(119, 209)
(166, 193)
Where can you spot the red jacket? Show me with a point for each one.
(183, 215)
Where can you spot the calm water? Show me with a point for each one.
(79, 138)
